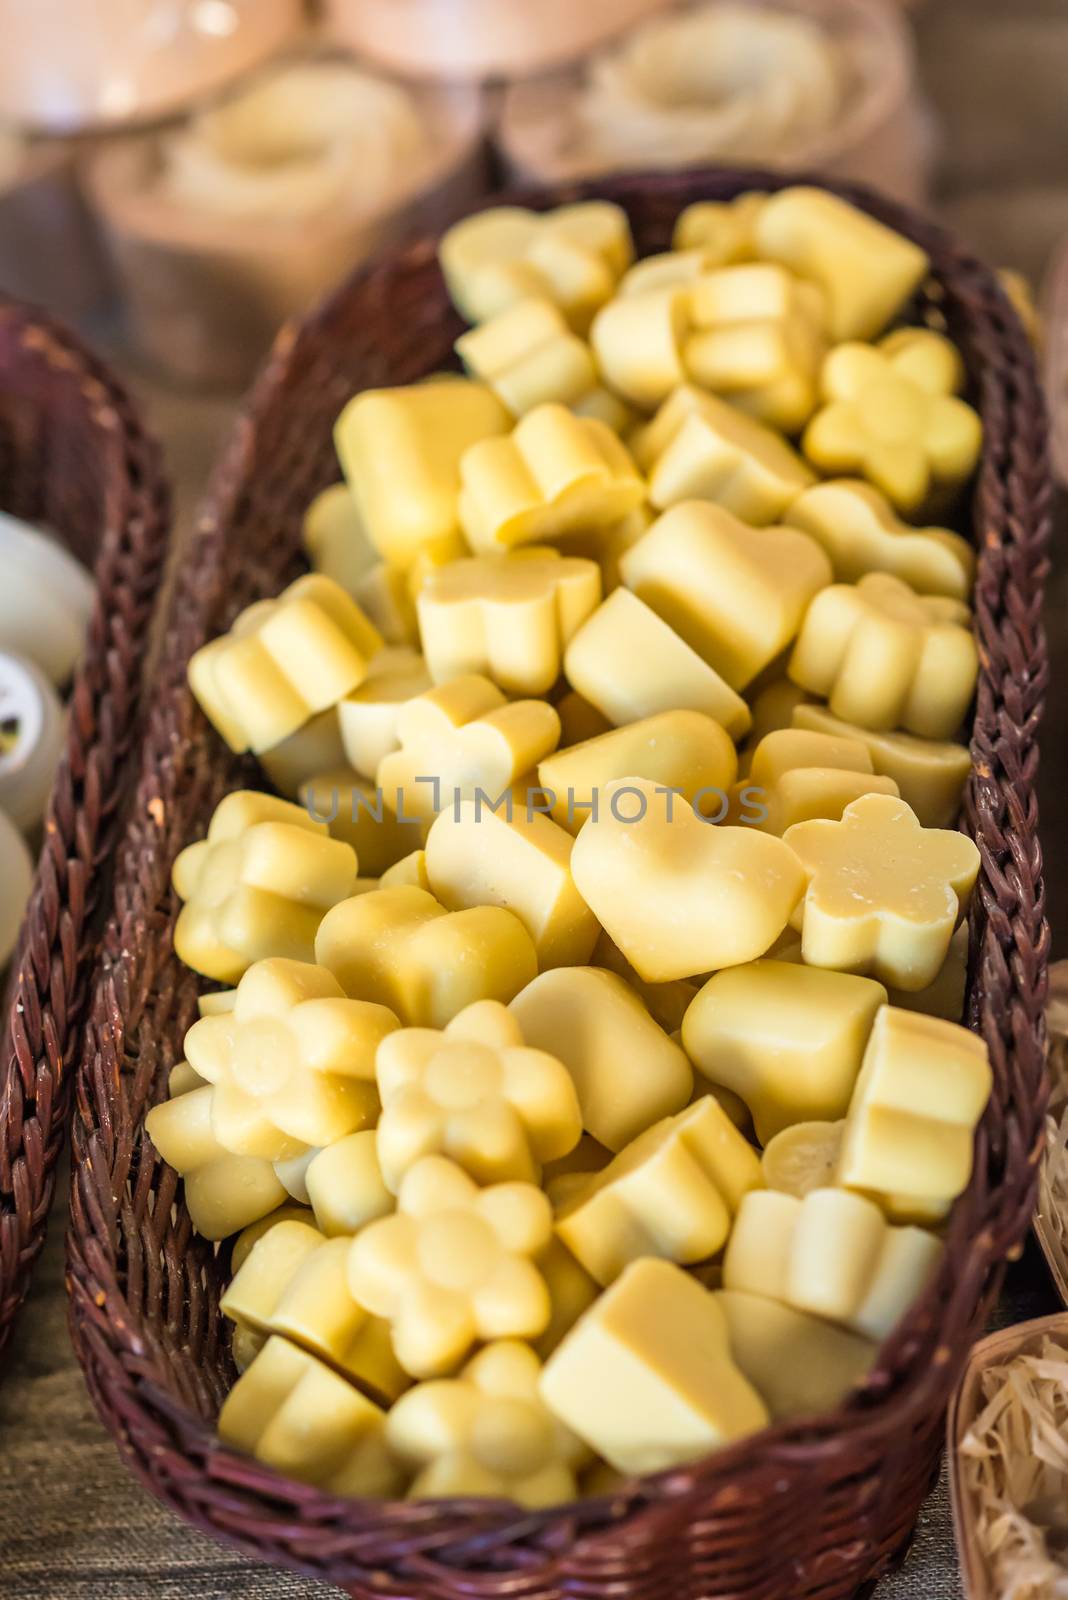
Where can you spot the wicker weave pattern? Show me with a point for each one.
(809, 1511)
(74, 456)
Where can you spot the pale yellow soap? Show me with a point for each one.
(480, 1092)
(571, 1291)
(609, 545)
(671, 1193)
(627, 1073)
(646, 1377)
(861, 532)
(604, 406)
(477, 856)
(293, 1061)
(799, 1365)
(630, 664)
(684, 750)
(891, 414)
(803, 1157)
(486, 1432)
(735, 594)
(574, 255)
(555, 474)
(257, 886)
(885, 657)
(224, 1192)
(795, 775)
(345, 1185)
(866, 271)
(182, 1078)
(638, 341)
(579, 720)
(772, 702)
(698, 447)
(335, 539)
(283, 662)
(453, 1266)
(910, 1129)
(460, 737)
(669, 269)
(944, 996)
(884, 894)
(832, 1254)
(400, 451)
(316, 747)
(723, 228)
(506, 617)
(362, 815)
(293, 1413)
(367, 718)
(679, 896)
(529, 356)
(788, 1039)
(930, 774)
(666, 1002)
(409, 873)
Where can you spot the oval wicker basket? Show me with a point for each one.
(73, 456)
(811, 1509)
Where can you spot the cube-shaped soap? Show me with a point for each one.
(646, 1377)
(257, 886)
(736, 594)
(799, 1365)
(930, 774)
(367, 718)
(861, 532)
(795, 775)
(224, 1192)
(671, 1193)
(282, 662)
(529, 356)
(788, 1039)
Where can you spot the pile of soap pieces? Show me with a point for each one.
(45, 602)
(587, 1090)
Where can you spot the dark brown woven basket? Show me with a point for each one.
(73, 456)
(810, 1509)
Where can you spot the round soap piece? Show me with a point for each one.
(31, 739)
(46, 599)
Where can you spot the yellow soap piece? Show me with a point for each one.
(666, 1002)
(613, 543)
(795, 775)
(573, 255)
(684, 750)
(257, 886)
(758, 339)
(554, 475)
(861, 532)
(944, 997)
(923, 1086)
(529, 356)
(671, 1193)
(316, 747)
(723, 228)
(478, 856)
(832, 1254)
(242, 1245)
(461, 737)
(772, 705)
(629, 663)
(891, 415)
(368, 717)
(335, 539)
(294, 1061)
(638, 341)
(386, 596)
(362, 815)
(679, 896)
(245, 1346)
(803, 1157)
(479, 1092)
(579, 720)
(224, 1192)
(628, 1074)
(886, 657)
(735, 594)
(345, 1185)
(698, 447)
(884, 895)
(282, 662)
(571, 1290)
(670, 269)
(604, 406)
(646, 1377)
(403, 949)
(408, 873)
(507, 617)
(930, 774)
(788, 1039)
(293, 1413)
(486, 1432)
(454, 1265)
(292, 1172)
(800, 1365)
(866, 271)
(182, 1079)
(210, 1005)
(400, 451)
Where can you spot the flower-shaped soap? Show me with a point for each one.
(293, 1061)
(282, 662)
(477, 1093)
(698, 447)
(399, 946)
(257, 886)
(529, 356)
(884, 895)
(892, 414)
(486, 1432)
(367, 718)
(886, 657)
(461, 737)
(574, 256)
(861, 532)
(223, 1192)
(453, 1266)
(930, 774)
(508, 618)
(555, 474)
